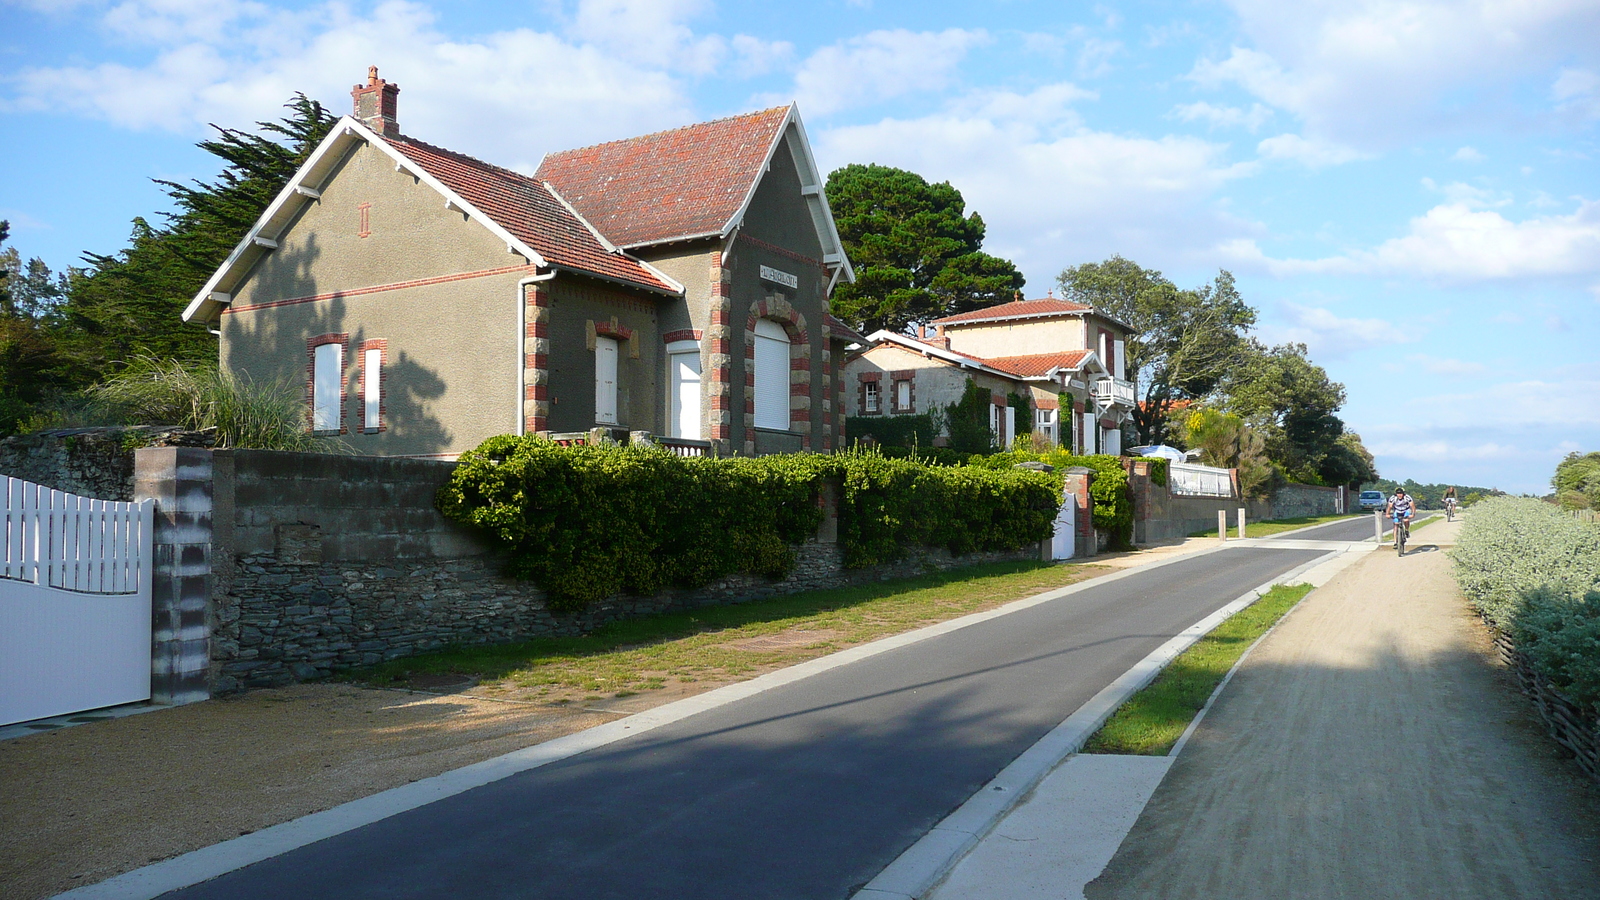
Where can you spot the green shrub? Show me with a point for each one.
(1113, 507)
(590, 522)
(1533, 573)
(893, 431)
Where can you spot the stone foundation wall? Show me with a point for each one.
(1296, 500)
(89, 462)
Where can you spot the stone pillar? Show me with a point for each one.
(536, 358)
(179, 480)
(718, 378)
(1077, 482)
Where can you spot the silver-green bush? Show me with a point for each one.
(1534, 573)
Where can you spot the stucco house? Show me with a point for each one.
(1047, 351)
(675, 283)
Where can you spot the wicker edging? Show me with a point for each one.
(1567, 723)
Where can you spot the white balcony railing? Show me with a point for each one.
(1114, 392)
(1199, 481)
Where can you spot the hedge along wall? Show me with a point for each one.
(1534, 574)
(1113, 506)
(588, 522)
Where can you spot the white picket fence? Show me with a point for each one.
(1199, 481)
(75, 615)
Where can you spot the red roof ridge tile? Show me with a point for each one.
(656, 135)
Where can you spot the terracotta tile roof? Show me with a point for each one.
(530, 212)
(666, 186)
(1015, 310)
(841, 332)
(1039, 364)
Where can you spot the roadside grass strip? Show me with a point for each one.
(1153, 720)
(719, 644)
(1269, 527)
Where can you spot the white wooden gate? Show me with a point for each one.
(74, 602)
(1063, 542)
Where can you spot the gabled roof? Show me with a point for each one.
(1039, 364)
(1018, 309)
(487, 184)
(691, 182)
(671, 185)
(534, 214)
(1042, 367)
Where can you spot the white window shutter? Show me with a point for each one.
(685, 419)
(371, 387)
(772, 376)
(605, 381)
(1122, 367)
(327, 376)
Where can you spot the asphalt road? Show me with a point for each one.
(1355, 528)
(804, 791)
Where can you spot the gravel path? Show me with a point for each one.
(1370, 747)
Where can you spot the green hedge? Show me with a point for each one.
(586, 523)
(1113, 507)
(1534, 573)
(892, 431)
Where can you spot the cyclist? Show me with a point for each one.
(1450, 504)
(1400, 510)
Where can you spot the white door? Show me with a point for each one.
(1114, 441)
(605, 381)
(1091, 430)
(685, 374)
(772, 376)
(1009, 416)
(1063, 541)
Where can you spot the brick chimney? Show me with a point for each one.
(375, 104)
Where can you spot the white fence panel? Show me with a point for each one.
(1199, 481)
(1063, 541)
(74, 602)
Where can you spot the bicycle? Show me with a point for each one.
(1402, 531)
(1449, 510)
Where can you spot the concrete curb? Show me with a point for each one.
(218, 859)
(922, 866)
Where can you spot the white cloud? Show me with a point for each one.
(1224, 116)
(507, 96)
(1372, 73)
(1458, 242)
(1309, 152)
(1054, 194)
(881, 65)
(755, 56)
(1468, 155)
(652, 32)
(1326, 334)
(1468, 195)
(1094, 60)
(1577, 93)
(1449, 367)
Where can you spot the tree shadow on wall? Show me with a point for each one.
(271, 345)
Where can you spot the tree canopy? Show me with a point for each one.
(1184, 342)
(1577, 481)
(60, 333)
(915, 250)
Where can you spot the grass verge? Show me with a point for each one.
(1269, 527)
(1153, 719)
(720, 644)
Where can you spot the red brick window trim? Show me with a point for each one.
(870, 399)
(373, 411)
(334, 394)
(903, 391)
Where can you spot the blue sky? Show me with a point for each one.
(1408, 188)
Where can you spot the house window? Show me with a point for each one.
(994, 421)
(605, 380)
(372, 353)
(870, 401)
(1120, 351)
(327, 382)
(772, 376)
(683, 375)
(902, 395)
(1044, 422)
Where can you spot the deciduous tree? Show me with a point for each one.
(1184, 342)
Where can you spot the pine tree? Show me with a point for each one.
(131, 303)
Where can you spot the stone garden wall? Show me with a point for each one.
(322, 563)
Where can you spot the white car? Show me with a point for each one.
(1372, 500)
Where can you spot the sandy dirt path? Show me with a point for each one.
(1371, 747)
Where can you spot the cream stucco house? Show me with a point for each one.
(675, 283)
(1044, 350)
